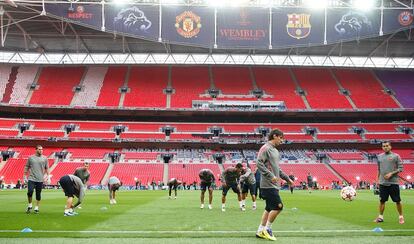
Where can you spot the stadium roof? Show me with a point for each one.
(24, 29)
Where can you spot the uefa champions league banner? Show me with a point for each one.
(397, 19)
(236, 28)
(133, 20)
(188, 25)
(243, 28)
(350, 24)
(85, 14)
(297, 26)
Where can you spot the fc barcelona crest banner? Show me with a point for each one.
(243, 28)
(297, 26)
(188, 25)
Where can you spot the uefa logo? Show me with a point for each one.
(405, 18)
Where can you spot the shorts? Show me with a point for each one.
(273, 200)
(67, 185)
(205, 185)
(387, 191)
(233, 186)
(249, 187)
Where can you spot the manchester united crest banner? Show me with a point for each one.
(297, 26)
(188, 25)
(243, 28)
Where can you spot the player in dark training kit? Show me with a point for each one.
(173, 183)
(229, 179)
(206, 178)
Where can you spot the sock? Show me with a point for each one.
(66, 210)
(36, 208)
(261, 227)
(209, 205)
(241, 203)
(202, 205)
(223, 205)
(29, 205)
(381, 216)
(254, 204)
(269, 225)
(401, 216)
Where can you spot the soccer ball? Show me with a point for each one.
(348, 193)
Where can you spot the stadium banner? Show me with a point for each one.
(397, 19)
(351, 24)
(84, 14)
(133, 20)
(243, 28)
(297, 26)
(188, 25)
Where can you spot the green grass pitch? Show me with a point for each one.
(149, 217)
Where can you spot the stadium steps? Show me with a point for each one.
(169, 85)
(10, 84)
(75, 93)
(36, 79)
(2, 164)
(383, 86)
(107, 174)
(211, 77)
(54, 165)
(122, 98)
(165, 173)
(336, 173)
(253, 78)
(221, 167)
(295, 80)
(341, 87)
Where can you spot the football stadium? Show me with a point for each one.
(194, 121)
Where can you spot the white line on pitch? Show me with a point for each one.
(195, 231)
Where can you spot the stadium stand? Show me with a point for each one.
(114, 79)
(188, 85)
(322, 92)
(232, 80)
(24, 78)
(55, 88)
(90, 87)
(97, 171)
(278, 83)
(369, 95)
(189, 172)
(146, 87)
(399, 82)
(146, 173)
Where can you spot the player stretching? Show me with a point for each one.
(206, 178)
(113, 185)
(229, 180)
(268, 164)
(72, 186)
(173, 185)
(248, 183)
(38, 166)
